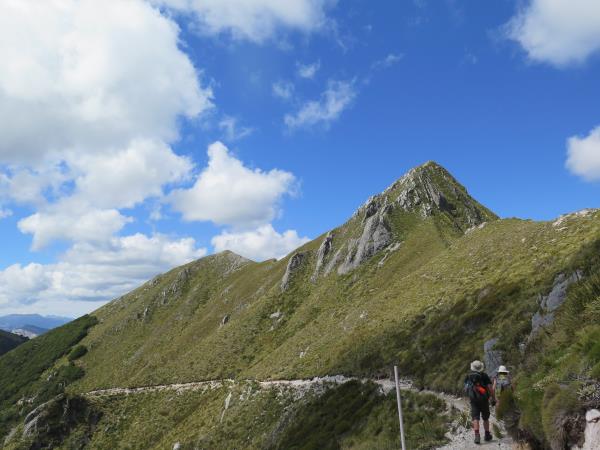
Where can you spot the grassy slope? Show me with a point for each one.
(355, 323)
(8, 341)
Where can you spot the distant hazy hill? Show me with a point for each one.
(422, 276)
(33, 323)
(8, 341)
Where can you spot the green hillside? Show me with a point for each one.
(421, 276)
(8, 341)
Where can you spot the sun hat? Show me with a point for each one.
(477, 366)
(502, 369)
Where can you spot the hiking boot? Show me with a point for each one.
(488, 436)
(477, 438)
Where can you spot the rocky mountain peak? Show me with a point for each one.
(429, 189)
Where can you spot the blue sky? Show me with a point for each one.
(145, 134)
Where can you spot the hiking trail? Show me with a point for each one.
(460, 436)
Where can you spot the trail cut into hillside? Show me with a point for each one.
(460, 436)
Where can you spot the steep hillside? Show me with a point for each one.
(8, 341)
(422, 276)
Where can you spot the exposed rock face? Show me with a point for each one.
(426, 190)
(491, 358)
(429, 188)
(49, 424)
(294, 264)
(551, 302)
(376, 235)
(322, 254)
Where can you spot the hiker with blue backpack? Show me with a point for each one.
(480, 390)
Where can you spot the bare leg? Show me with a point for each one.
(476, 426)
(486, 425)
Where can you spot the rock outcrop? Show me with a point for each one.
(322, 254)
(551, 302)
(376, 235)
(492, 357)
(293, 265)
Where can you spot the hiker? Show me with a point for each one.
(480, 390)
(502, 383)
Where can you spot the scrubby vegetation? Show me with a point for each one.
(77, 352)
(8, 341)
(349, 416)
(559, 378)
(22, 368)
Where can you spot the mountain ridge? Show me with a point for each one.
(421, 276)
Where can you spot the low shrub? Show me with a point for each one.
(77, 352)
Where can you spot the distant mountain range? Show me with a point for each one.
(30, 325)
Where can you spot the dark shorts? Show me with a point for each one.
(480, 409)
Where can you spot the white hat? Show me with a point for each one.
(477, 366)
(502, 369)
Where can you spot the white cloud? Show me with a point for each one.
(4, 213)
(107, 183)
(127, 177)
(70, 221)
(283, 89)
(255, 20)
(390, 60)
(92, 273)
(308, 70)
(259, 244)
(228, 193)
(232, 130)
(337, 97)
(82, 75)
(90, 95)
(559, 32)
(583, 155)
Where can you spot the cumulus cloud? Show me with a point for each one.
(583, 155)
(283, 89)
(89, 102)
(259, 244)
(337, 97)
(558, 32)
(126, 177)
(103, 184)
(70, 221)
(308, 70)
(89, 272)
(228, 193)
(254, 20)
(77, 76)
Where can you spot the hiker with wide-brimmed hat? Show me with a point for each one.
(502, 382)
(480, 390)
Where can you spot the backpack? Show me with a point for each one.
(474, 387)
(502, 383)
